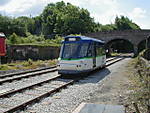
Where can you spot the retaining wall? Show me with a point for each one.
(24, 52)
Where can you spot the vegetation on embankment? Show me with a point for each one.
(33, 40)
(27, 65)
(146, 54)
(140, 98)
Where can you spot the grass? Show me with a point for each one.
(115, 54)
(27, 65)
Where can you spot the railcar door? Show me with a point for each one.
(94, 54)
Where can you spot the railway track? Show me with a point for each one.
(25, 72)
(110, 59)
(32, 95)
(35, 91)
(18, 76)
(36, 72)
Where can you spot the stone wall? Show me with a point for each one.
(24, 52)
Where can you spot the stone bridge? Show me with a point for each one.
(133, 36)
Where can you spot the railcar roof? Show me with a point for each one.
(86, 38)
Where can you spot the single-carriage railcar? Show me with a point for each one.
(80, 54)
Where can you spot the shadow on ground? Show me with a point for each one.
(94, 77)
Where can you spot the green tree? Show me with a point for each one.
(18, 27)
(37, 25)
(124, 23)
(61, 18)
(11, 25)
(28, 23)
(5, 24)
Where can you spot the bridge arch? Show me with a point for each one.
(120, 45)
(133, 36)
(144, 44)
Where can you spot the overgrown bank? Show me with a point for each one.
(146, 54)
(140, 98)
(20, 66)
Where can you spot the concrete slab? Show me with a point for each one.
(99, 108)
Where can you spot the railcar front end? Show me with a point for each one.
(78, 55)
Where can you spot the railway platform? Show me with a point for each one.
(99, 108)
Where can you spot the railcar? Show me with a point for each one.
(80, 54)
(2, 44)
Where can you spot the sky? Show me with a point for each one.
(103, 11)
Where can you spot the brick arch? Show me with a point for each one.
(134, 36)
(144, 41)
(147, 38)
(115, 39)
(110, 42)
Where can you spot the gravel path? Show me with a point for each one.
(109, 86)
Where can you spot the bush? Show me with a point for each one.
(4, 67)
(34, 40)
(28, 63)
(14, 39)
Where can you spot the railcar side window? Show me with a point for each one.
(90, 51)
(100, 50)
(83, 50)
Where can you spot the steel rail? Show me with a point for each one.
(22, 105)
(26, 76)
(110, 59)
(34, 70)
(117, 60)
(27, 87)
(25, 72)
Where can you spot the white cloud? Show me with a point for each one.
(18, 7)
(140, 17)
(138, 13)
(103, 11)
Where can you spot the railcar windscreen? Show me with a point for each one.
(74, 50)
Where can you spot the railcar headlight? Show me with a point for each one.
(81, 62)
(78, 65)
